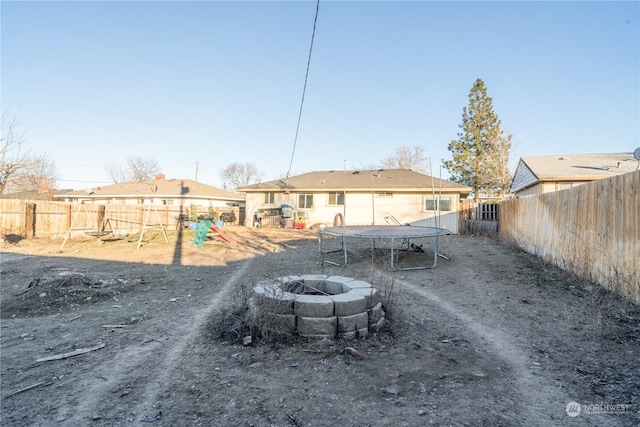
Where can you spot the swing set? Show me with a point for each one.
(102, 227)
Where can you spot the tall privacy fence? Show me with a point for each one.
(590, 230)
(39, 218)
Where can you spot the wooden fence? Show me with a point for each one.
(590, 230)
(38, 218)
(478, 218)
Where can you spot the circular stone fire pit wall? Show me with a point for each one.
(321, 306)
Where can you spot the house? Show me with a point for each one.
(357, 197)
(43, 192)
(544, 174)
(192, 195)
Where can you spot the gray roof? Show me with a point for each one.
(571, 167)
(392, 180)
(159, 188)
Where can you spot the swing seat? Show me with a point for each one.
(98, 233)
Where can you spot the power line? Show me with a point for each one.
(79, 180)
(304, 89)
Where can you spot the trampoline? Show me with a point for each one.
(391, 232)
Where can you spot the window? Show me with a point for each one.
(431, 204)
(336, 199)
(269, 198)
(305, 200)
(384, 194)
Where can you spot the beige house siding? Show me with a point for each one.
(548, 187)
(361, 210)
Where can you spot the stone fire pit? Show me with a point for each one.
(321, 306)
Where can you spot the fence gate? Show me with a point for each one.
(478, 218)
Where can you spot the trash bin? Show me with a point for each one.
(287, 211)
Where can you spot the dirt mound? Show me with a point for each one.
(68, 289)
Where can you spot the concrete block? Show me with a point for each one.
(334, 284)
(354, 284)
(316, 281)
(313, 306)
(286, 279)
(351, 323)
(314, 277)
(335, 288)
(372, 295)
(272, 298)
(361, 333)
(375, 313)
(349, 304)
(339, 279)
(377, 327)
(316, 327)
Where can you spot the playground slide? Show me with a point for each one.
(221, 234)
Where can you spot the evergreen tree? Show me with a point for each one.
(480, 155)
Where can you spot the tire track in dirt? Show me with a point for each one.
(537, 393)
(158, 361)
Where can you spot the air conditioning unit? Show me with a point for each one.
(301, 214)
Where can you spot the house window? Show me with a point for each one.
(305, 200)
(269, 198)
(384, 194)
(336, 199)
(431, 204)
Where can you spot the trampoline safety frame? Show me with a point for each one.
(391, 232)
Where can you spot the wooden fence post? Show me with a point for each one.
(30, 220)
(68, 216)
(101, 214)
(141, 219)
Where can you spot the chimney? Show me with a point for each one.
(160, 177)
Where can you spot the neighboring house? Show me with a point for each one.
(161, 191)
(42, 193)
(544, 174)
(361, 197)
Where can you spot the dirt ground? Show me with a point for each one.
(493, 337)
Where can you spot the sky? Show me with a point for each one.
(200, 85)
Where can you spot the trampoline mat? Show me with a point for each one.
(386, 231)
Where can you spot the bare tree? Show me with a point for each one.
(142, 168)
(118, 173)
(240, 174)
(407, 158)
(496, 173)
(22, 170)
(39, 174)
(136, 169)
